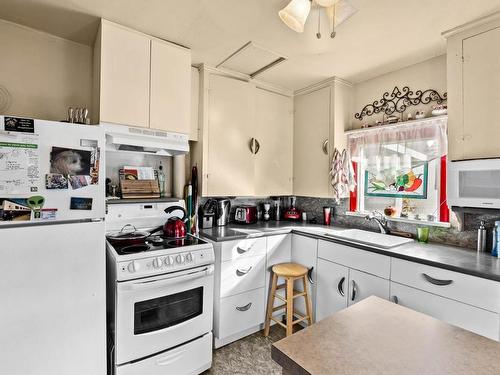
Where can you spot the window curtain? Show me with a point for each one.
(385, 151)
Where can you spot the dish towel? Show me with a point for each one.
(341, 175)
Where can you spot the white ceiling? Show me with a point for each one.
(383, 35)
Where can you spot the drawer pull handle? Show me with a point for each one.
(309, 275)
(340, 287)
(241, 250)
(434, 281)
(243, 272)
(354, 290)
(395, 299)
(244, 308)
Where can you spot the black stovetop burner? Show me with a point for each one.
(158, 242)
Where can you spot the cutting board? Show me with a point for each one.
(136, 189)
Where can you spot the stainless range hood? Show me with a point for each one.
(146, 141)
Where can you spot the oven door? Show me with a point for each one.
(160, 312)
(474, 183)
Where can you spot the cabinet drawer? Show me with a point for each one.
(243, 248)
(243, 274)
(241, 312)
(376, 264)
(473, 290)
(471, 318)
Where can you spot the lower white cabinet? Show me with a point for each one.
(331, 291)
(239, 313)
(468, 317)
(363, 285)
(279, 250)
(243, 274)
(305, 252)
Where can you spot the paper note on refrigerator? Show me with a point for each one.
(19, 164)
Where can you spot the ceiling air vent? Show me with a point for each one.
(252, 60)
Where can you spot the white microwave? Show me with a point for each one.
(474, 183)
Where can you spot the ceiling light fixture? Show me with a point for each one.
(295, 14)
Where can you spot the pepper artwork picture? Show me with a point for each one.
(407, 184)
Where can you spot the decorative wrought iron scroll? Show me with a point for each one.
(399, 100)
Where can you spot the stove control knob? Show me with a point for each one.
(169, 261)
(157, 263)
(180, 259)
(189, 257)
(133, 266)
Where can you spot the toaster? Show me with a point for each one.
(245, 214)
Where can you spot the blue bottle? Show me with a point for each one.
(496, 240)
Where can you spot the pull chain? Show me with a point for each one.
(318, 34)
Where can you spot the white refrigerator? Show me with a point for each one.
(52, 258)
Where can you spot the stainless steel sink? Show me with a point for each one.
(369, 238)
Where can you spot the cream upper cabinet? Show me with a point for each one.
(140, 80)
(473, 64)
(195, 104)
(124, 76)
(170, 103)
(481, 93)
(274, 135)
(230, 164)
(310, 145)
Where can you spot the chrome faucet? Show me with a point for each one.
(380, 220)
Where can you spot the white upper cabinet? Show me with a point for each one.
(124, 76)
(321, 116)
(141, 81)
(245, 145)
(311, 137)
(170, 87)
(473, 61)
(274, 135)
(230, 164)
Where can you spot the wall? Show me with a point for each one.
(44, 74)
(429, 74)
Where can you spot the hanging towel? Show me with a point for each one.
(341, 175)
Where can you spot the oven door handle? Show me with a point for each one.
(170, 279)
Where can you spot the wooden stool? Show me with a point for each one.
(290, 272)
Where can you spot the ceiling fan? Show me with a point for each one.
(295, 14)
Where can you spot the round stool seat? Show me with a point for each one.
(289, 270)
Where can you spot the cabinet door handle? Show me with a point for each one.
(340, 287)
(354, 290)
(257, 146)
(434, 281)
(395, 299)
(244, 308)
(309, 275)
(325, 147)
(252, 145)
(243, 272)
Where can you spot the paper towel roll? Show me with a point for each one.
(179, 176)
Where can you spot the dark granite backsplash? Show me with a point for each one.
(450, 236)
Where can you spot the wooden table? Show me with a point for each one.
(375, 337)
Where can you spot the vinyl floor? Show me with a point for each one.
(248, 356)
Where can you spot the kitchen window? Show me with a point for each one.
(400, 170)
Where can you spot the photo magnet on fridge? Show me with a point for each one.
(78, 182)
(81, 203)
(16, 124)
(14, 209)
(55, 181)
(68, 161)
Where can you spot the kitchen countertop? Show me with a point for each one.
(375, 336)
(443, 256)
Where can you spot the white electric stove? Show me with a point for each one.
(160, 296)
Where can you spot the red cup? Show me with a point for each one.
(327, 215)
